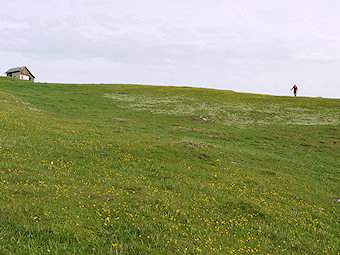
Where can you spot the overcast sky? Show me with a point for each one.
(262, 46)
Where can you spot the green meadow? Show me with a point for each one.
(128, 169)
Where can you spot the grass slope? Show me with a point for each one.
(126, 169)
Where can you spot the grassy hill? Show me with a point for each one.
(127, 169)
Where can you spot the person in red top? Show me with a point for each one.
(295, 88)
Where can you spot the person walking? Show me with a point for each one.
(295, 88)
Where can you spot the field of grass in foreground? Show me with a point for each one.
(126, 169)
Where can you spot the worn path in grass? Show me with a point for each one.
(127, 169)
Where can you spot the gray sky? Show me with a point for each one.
(262, 46)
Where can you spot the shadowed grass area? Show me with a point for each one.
(127, 169)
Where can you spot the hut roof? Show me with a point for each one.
(18, 69)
